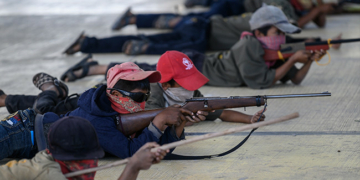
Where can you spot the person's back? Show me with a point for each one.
(42, 166)
(225, 32)
(242, 65)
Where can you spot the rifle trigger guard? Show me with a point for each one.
(206, 104)
(258, 101)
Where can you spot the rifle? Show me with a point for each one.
(287, 50)
(129, 124)
(342, 2)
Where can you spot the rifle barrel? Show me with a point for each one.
(265, 96)
(332, 42)
(297, 95)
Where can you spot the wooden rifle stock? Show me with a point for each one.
(287, 50)
(129, 124)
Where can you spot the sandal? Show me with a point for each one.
(136, 46)
(122, 21)
(83, 64)
(70, 50)
(42, 78)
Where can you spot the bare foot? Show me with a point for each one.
(337, 46)
(2, 99)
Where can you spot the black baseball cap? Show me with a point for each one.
(74, 138)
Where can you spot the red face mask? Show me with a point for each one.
(71, 166)
(125, 105)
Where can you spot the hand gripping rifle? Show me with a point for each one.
(129, 124)
(287, 50)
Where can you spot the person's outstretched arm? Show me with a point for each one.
(142, 160)
(234, 116)
(300, 75)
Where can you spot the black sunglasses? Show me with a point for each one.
(137, 96)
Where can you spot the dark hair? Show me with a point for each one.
(131, 85)
(171, 82)
(263, 30)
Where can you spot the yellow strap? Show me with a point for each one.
(329, 40)
(280, 56)
(220, 56)
(316, 60)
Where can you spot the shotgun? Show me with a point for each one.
(287, 50)
(129, 124)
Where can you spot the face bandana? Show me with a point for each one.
(177, 95)
(125, 105)
(268, 42)
(71, 166)
(273, 43)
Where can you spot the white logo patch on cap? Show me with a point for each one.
(188, 64)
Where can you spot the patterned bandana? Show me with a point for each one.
(272, 42)
(71, 166)
(269, 42)
(125, 105)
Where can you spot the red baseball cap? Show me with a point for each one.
(131, 72)
(176, 65)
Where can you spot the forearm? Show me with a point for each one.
(282, 70)
(179, 129)
(234, 116)
(308, 17)
(300, 75)
(129, 173)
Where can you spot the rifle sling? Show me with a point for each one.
(182, 157)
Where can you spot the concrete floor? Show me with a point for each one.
(323, 143)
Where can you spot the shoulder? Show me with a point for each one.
(250, 40)
(42, 166)
(155, 88)
(156, 99)
(249, 45)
